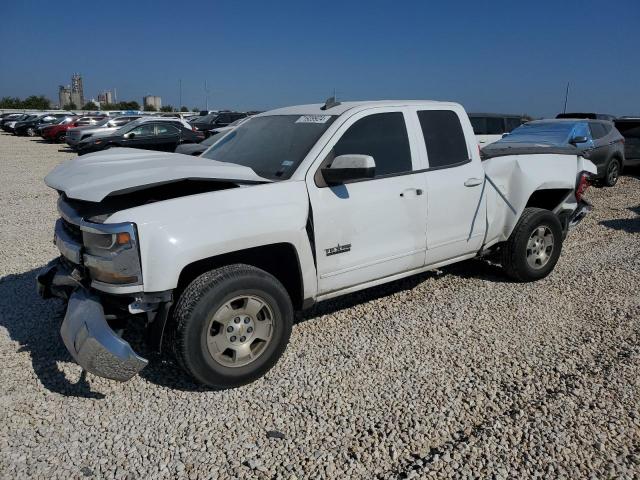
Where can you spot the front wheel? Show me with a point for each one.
(31, 132)
(232, 325)
(534, 246)
(612, 173)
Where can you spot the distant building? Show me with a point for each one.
(77, 92)
(64, 96)
(152, 101)
(105, 97)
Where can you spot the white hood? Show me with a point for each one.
(94, 176)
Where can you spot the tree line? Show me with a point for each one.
(40, 102)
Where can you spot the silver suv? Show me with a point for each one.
(75, 135)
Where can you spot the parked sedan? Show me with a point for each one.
(596, 140)
(57, 131)
(9, 122)
(151, 134)
(30, 127)
(216, 120)
(77, 134)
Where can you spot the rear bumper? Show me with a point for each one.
(85, 331)
(579, 213)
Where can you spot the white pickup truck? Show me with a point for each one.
(214, 254)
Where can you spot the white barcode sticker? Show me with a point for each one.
(313, 119)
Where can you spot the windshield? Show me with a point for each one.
(272, 146)
(547, 133)
(212, 139)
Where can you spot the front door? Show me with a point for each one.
(375, 228)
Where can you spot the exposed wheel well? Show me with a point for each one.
(548, 198)
(279, 259)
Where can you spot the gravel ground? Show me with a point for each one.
(457, 373)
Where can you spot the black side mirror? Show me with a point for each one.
(346, 168)
(130, 135)
(579, 139)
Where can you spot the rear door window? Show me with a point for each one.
(597, 130)
(384, 137)
(443, 137)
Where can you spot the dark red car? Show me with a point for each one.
(57, 132)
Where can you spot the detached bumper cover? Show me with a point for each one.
(85, 331)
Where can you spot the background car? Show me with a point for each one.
(490, 127)
(163, 134)
(30, 126)
(629, 128)
(101, 129)
(587, 115)
(596, 140)
(10, 122)
(215, 120)
(57, 132)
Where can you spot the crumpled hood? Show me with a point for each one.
(94, 176)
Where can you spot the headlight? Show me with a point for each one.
(112, 253)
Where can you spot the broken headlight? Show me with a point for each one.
(112, 255)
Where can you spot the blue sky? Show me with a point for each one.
(500, 56)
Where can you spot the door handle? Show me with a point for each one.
(472, 182)
(417, 190)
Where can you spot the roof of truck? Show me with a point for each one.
(316, 108)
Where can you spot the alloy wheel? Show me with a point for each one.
(540, 247)
(240, 331)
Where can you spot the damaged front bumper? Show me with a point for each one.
(85, 330)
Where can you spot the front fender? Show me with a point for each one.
(178, 232)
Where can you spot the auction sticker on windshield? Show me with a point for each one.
(313, 119)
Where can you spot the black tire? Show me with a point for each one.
(60, 138)
(515, 251)
(612, 172)
(205, 296)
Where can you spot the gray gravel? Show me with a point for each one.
(458, 373)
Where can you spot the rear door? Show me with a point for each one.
(167, 137)
(375, 228)
(600, 153)
(456, 205)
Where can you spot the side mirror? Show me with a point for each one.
(130, 135)
(579, 139)
(345, 168)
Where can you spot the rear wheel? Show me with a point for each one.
(60, 137)
(31, 132)
(612, 172)
(232, 325)
(534, 246)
